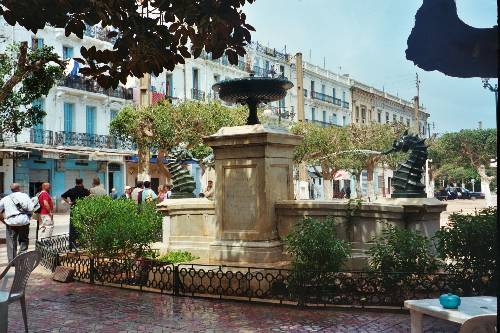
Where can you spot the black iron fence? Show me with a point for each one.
(52, 138)
(284, 286)
(197, 94)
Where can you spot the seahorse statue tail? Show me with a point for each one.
(183, 182)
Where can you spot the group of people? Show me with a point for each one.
(17, 208)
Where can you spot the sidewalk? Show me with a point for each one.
(78, 307)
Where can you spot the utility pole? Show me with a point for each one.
(417, 106)
(303, 190)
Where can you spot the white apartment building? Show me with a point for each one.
(73, 141)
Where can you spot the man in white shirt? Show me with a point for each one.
(17, 208)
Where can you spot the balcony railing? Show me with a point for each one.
(99, 33)
(345, 104)
(52, 138)
(197, 94)
(91, 86)
(321, 123)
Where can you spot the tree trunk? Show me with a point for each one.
(358, 186)
(369, 182)
(485, 185)
(143, 165)
(327, 182)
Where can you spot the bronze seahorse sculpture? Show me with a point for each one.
(183, 182)
(407, 177)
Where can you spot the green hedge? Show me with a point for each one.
(115, 228)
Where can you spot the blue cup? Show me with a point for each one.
(449, 301)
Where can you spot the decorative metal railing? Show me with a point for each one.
(92, 86)
(99, 33)
(325, 98)
(345, 104)
(197, 94)
(284, 286)
(52, 138)
(270, 51)
(321, 123)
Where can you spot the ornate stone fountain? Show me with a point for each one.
(252, 91)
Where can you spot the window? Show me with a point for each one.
(67, 52)
(112, 115)
(423, 129)
(408, 122)
(334, 119)
(90, 119)
(36, 43)
(312, 86)
(343, 96)
(69, 115)
(363, 114)
(324, 116)
(394, 118)
(387, 117)
(357, 114)
(334, 93)
(344, 120)
(379, 117)
(38, 128)
(313, 114)
(195, 78)
(323, 89)
(169, 89)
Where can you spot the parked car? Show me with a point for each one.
(456, 192)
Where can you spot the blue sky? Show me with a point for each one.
(367, 39)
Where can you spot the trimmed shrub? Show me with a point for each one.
(401, 250)
(175, 257)
(115, 228)
(467, 246)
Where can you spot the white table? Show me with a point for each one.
(469, 308)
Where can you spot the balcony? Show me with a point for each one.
(197, 94)
(345, 104)
(99, 33)
(51, 138)
(92, 86)
(321, 123)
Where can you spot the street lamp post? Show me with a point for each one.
(429, 188)
(473, 181)
(487, 85)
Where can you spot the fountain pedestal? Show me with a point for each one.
(254, 169)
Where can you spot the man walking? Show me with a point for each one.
(46, 210)
(70, 197)
(138, 188)
(209, 191)
(147, 195)
(17, 208)
(97, 188)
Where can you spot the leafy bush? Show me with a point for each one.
(467, 246)
(401, 250)
(314, 247)
(174, 257)
(316, 256)
(114, 228)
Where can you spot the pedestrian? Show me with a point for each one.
(139, 186)
(162, 193)
(70, 197)
(348, 192)
(114, 194)
(169, 191)
(36, 214)
(147, 195)
(17, 208)
(46, 210)
(209, 191)
(127, 194)
(97, 188)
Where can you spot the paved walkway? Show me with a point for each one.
(78, 307)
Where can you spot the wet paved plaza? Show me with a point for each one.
(79, 307)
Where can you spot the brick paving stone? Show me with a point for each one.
(78, 307)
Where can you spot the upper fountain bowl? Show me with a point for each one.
(258, 89)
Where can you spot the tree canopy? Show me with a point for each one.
(466, 150)
(25, 76)
(149, 35)
(163, 126)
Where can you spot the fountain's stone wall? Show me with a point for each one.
(190, 224)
